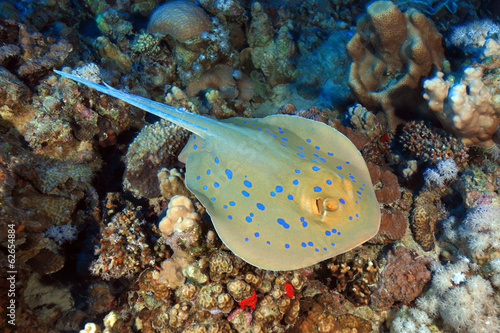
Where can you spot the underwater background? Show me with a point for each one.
(99, 232)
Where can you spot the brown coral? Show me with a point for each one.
(403, 279)
(182, 20)
(391, 52)
(172, 183)
(427, 210)
(230, 82)
(156, 146)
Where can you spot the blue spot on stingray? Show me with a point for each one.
(194, 137)
(205, 187)
(316, 168)
(195, 147)
(247, 183)
(325, 249)
(356, 201)
(308, 140)
(328, 233)
(330, 154)
(347, 162)
(256, 234)
(333, 244)
(216, 184)
(290, 197)
(317, 147)
(216, 160)
(212, 198)
(268, 243)
(284, 145)
(260, 129)
(317, 250)
(260, 206)
(225, 207)
(253, 124)
(334, 231)
(321, 158)
(300, 155)
(229, 174)
(338, 233)
(304, 222)
(232, 203)
(352, 177)
(350, 218)
(245, 193)
(268, 131)
(310, 243)
(339, 167)
(300, 147)
(284, 139)
(297, 171)
(342, 201)
(287, 246)
(279, 189)
(273, 194)
(251, 214)
(303, 244)
(283, 223)
(358, 192)
(341, 176)
(230, 217)
(246, 239)
(273, 135)
(198, 177)
(357, 215)
(328, 182)
(248, 219)
(362, 189)
(316, 155)
(244, 122)
(295, 182)
(317, 189)
(209, 172)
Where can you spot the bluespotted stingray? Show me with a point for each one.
(283, 192)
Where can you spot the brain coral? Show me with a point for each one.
(182, 20)
(391, 52)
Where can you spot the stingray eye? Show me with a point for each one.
(330, 205)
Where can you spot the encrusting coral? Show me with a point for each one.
(391, 52)
(403, 279)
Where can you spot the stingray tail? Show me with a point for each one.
(194, 123)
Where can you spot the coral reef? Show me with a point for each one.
(230, 82)
(125, 248)
(468, 108)
(403, 279)
(391, 52)
(430, 145)
(156, 146)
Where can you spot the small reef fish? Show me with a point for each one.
(283, 192)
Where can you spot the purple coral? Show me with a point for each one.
(403, 279)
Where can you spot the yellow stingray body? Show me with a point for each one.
(283, 192)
